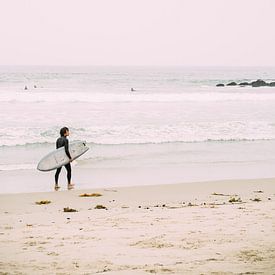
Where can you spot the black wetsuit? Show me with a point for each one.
(63, 142)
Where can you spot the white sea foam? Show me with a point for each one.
(183, 132)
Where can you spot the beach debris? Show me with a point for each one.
(90, 195)
(220, 194)
(256, 199)
(8, 227)
(100, 206)
(269, 199)
(258, 191)
(29, 225)
(214, 203)
(191, 204)
(42, 202)
(158, 205)
(235, 199)
(67, 209)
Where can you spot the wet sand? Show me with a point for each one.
(219, 227)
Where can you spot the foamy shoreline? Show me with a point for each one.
(188, 228)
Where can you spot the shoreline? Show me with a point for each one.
(214, 183)
(165, 229)
(25, 181)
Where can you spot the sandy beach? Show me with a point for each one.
(219, 227)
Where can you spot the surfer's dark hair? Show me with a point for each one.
(63, 131)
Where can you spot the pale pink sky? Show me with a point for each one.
(137, 32)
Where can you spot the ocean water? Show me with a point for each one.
(176, 121)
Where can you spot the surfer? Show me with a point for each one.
(63, 142)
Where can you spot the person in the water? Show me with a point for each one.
(63, 142)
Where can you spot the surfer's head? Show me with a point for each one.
(64, 131)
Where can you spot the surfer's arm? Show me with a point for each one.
(67, 149)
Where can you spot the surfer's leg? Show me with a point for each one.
(69, 172)
(56, 177)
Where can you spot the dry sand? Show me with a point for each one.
(164, 229)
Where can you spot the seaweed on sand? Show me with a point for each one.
(42, 202)
(91, 195)
(99, 206)
(219, 194)
(234, 199)
(256, 199)
(67, 209)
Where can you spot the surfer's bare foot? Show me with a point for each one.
(70, 186)
(56, 188)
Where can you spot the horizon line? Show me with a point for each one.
(132, 65)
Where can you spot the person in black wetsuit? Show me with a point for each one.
(63, 142)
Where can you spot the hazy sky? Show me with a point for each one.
(137, 32)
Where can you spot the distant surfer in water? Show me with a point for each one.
(63, 142)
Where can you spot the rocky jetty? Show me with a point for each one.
(257, 83)
(232, 84)
(244, 84)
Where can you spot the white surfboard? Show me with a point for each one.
(58, 157)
